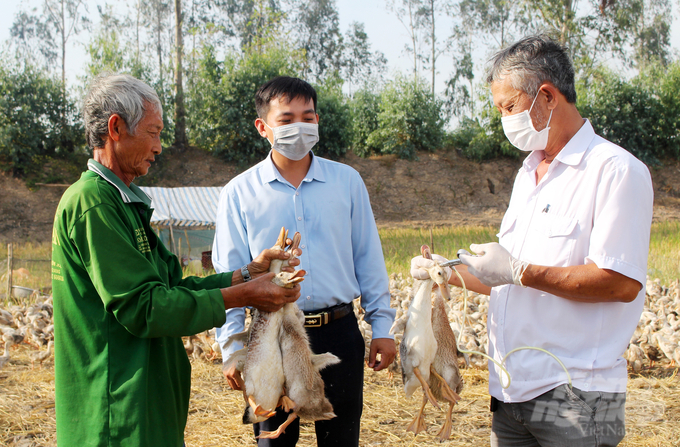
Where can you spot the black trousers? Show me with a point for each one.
(344, 388)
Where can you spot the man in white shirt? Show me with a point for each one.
(569, 272)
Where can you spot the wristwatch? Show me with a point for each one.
(245, 273)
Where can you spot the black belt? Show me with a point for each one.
(318, 318)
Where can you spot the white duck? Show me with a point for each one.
(418, 348)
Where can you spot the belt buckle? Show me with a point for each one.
(314, 320)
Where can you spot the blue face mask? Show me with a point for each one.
(295, 140)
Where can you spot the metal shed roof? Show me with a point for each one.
(183, 207)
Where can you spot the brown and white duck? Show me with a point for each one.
(263, 364)
(445, 381)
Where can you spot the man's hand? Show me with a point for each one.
(387, 350)
(494, 266)
(260, 293)
(234, 378)
(419, 266)
(260, 265)
(266, 296)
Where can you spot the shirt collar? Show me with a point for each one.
(270, 173)
(571, 154)
(128, 194)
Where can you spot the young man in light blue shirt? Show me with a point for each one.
(328, 204)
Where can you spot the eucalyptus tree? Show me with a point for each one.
(638, 31)
(407, 12)
(105, 49)
(59, 22)
(180, 118)
(317, 28)
(429, 11)
(157, 15)
(635, 31)
(494, 22)
(252, 21)
(359, 62)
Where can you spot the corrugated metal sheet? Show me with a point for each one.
(183, 207)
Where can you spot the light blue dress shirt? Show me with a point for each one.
(341, 249)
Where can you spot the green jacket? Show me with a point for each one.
(122, 376)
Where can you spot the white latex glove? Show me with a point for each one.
(494, 266)
(419, 266)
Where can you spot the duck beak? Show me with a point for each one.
(298, 276)
(444, 289)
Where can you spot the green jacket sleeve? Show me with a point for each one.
(143, 291)
(217, 281)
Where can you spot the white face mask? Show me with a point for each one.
(521, 132)
(295, 140)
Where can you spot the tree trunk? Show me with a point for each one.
(63, 65)
(139, 6)
(180, 119)
(159, 48)
(63, 47)
(432, 37)
(414, 39)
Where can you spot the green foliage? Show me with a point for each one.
(664, 83)
(632, 114)
(221, 106)
(335, 121)
(365, 107)
(36, 120)
(410, 120)
(483, 138)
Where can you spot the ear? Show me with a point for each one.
(317, 118)
(552, 95)
(116, 127)
(261, 129)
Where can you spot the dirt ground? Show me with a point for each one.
(439, 188)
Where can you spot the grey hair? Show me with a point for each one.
(119, 94)
(532, 61)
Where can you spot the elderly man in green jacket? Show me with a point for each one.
(121, 305)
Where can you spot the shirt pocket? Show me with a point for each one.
(551, 240)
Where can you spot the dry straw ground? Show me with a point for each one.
(27, 409)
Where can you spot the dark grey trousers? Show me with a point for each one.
(562, 417)
(344, 388)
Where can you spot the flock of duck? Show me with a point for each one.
(30, 324)
(433, 325)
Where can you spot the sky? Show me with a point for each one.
(384, 30)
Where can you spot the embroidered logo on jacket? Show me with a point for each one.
(142, 242)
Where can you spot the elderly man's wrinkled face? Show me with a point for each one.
(135, 153)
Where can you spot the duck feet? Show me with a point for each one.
(418, 423)
(282, 428)
(445, 433)
(448, 394)
(258, 410)
(426, 388)
(286, 403)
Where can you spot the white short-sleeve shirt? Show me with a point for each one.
(594, 205)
